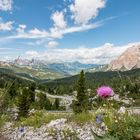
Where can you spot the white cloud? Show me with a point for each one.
(85, 10)
(100, 55)
(31, 34)
(6, 49)
(37, 32)
(41, 41)
(32, 54)
(52, 44)
(58, 19)
(7, 26)
(54, 33)
(59, 24)
(81, 28)
(60, 27)
(82, 12)
(6, 5)
(21, 28)
(38, 42)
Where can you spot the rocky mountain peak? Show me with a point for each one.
(128, 60)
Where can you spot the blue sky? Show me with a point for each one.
(69, 30)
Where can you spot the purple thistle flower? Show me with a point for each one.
(105, 91)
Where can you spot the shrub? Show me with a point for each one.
(3, 119)
(39, 118)
(4, 101)
(82, 118)
(122, 126)
(126, 128)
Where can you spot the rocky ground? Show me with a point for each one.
(55, 130)
(59, 129)
(2, 137)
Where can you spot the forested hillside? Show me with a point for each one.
(8, 76)
(122, 82)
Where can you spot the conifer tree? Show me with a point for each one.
(44, 102)
(23, 103)
(32, 92)
(12, 90)
(56, 104)
(41, 101)
(81, 104)
(48, 105)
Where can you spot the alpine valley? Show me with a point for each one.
(42, 70)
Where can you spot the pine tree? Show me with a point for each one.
(48, 105)
(56, 104)
(32, 92)
(23, 103)
(43, 102)
(12, 90)
(81, 104)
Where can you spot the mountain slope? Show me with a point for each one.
(98, 78)
(31, 72)
(63, 68)
(130, 59)
(71, 68)
(7, 75)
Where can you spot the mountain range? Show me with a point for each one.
(40, 69)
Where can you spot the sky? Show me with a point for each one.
(88, 31)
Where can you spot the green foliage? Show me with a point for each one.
(70, 134)
(23, 103)
(8, 76)
(126, 82)
(120, 126)
(125, 127)
(4, 101)
(12, 90)
(32, 88)
(66, 134)
(43, 102)
(56, 104)
(3, 119)
(38, 118)
(35, 120)
(82, 118)
(48, 104)
(105, 137)
(81, 104)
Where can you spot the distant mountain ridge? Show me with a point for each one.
(43, 70)
(4, 64)
(30, 72)
(130, 59)
(71, 68)
(68, 68)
